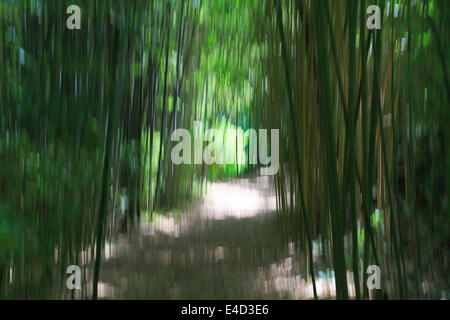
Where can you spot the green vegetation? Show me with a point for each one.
(86, 118)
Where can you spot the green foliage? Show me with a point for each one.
(86, 118)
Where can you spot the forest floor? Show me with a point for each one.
(229, 246)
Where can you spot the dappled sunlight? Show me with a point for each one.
(168, 225)
(105, 290)
(210, 240)
(288, 281)
(238, 200)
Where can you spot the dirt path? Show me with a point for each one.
(228, 247)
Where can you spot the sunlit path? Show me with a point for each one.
(228, 246)
(242, 198)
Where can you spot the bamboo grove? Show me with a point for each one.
(86, 118)
(361, 134)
